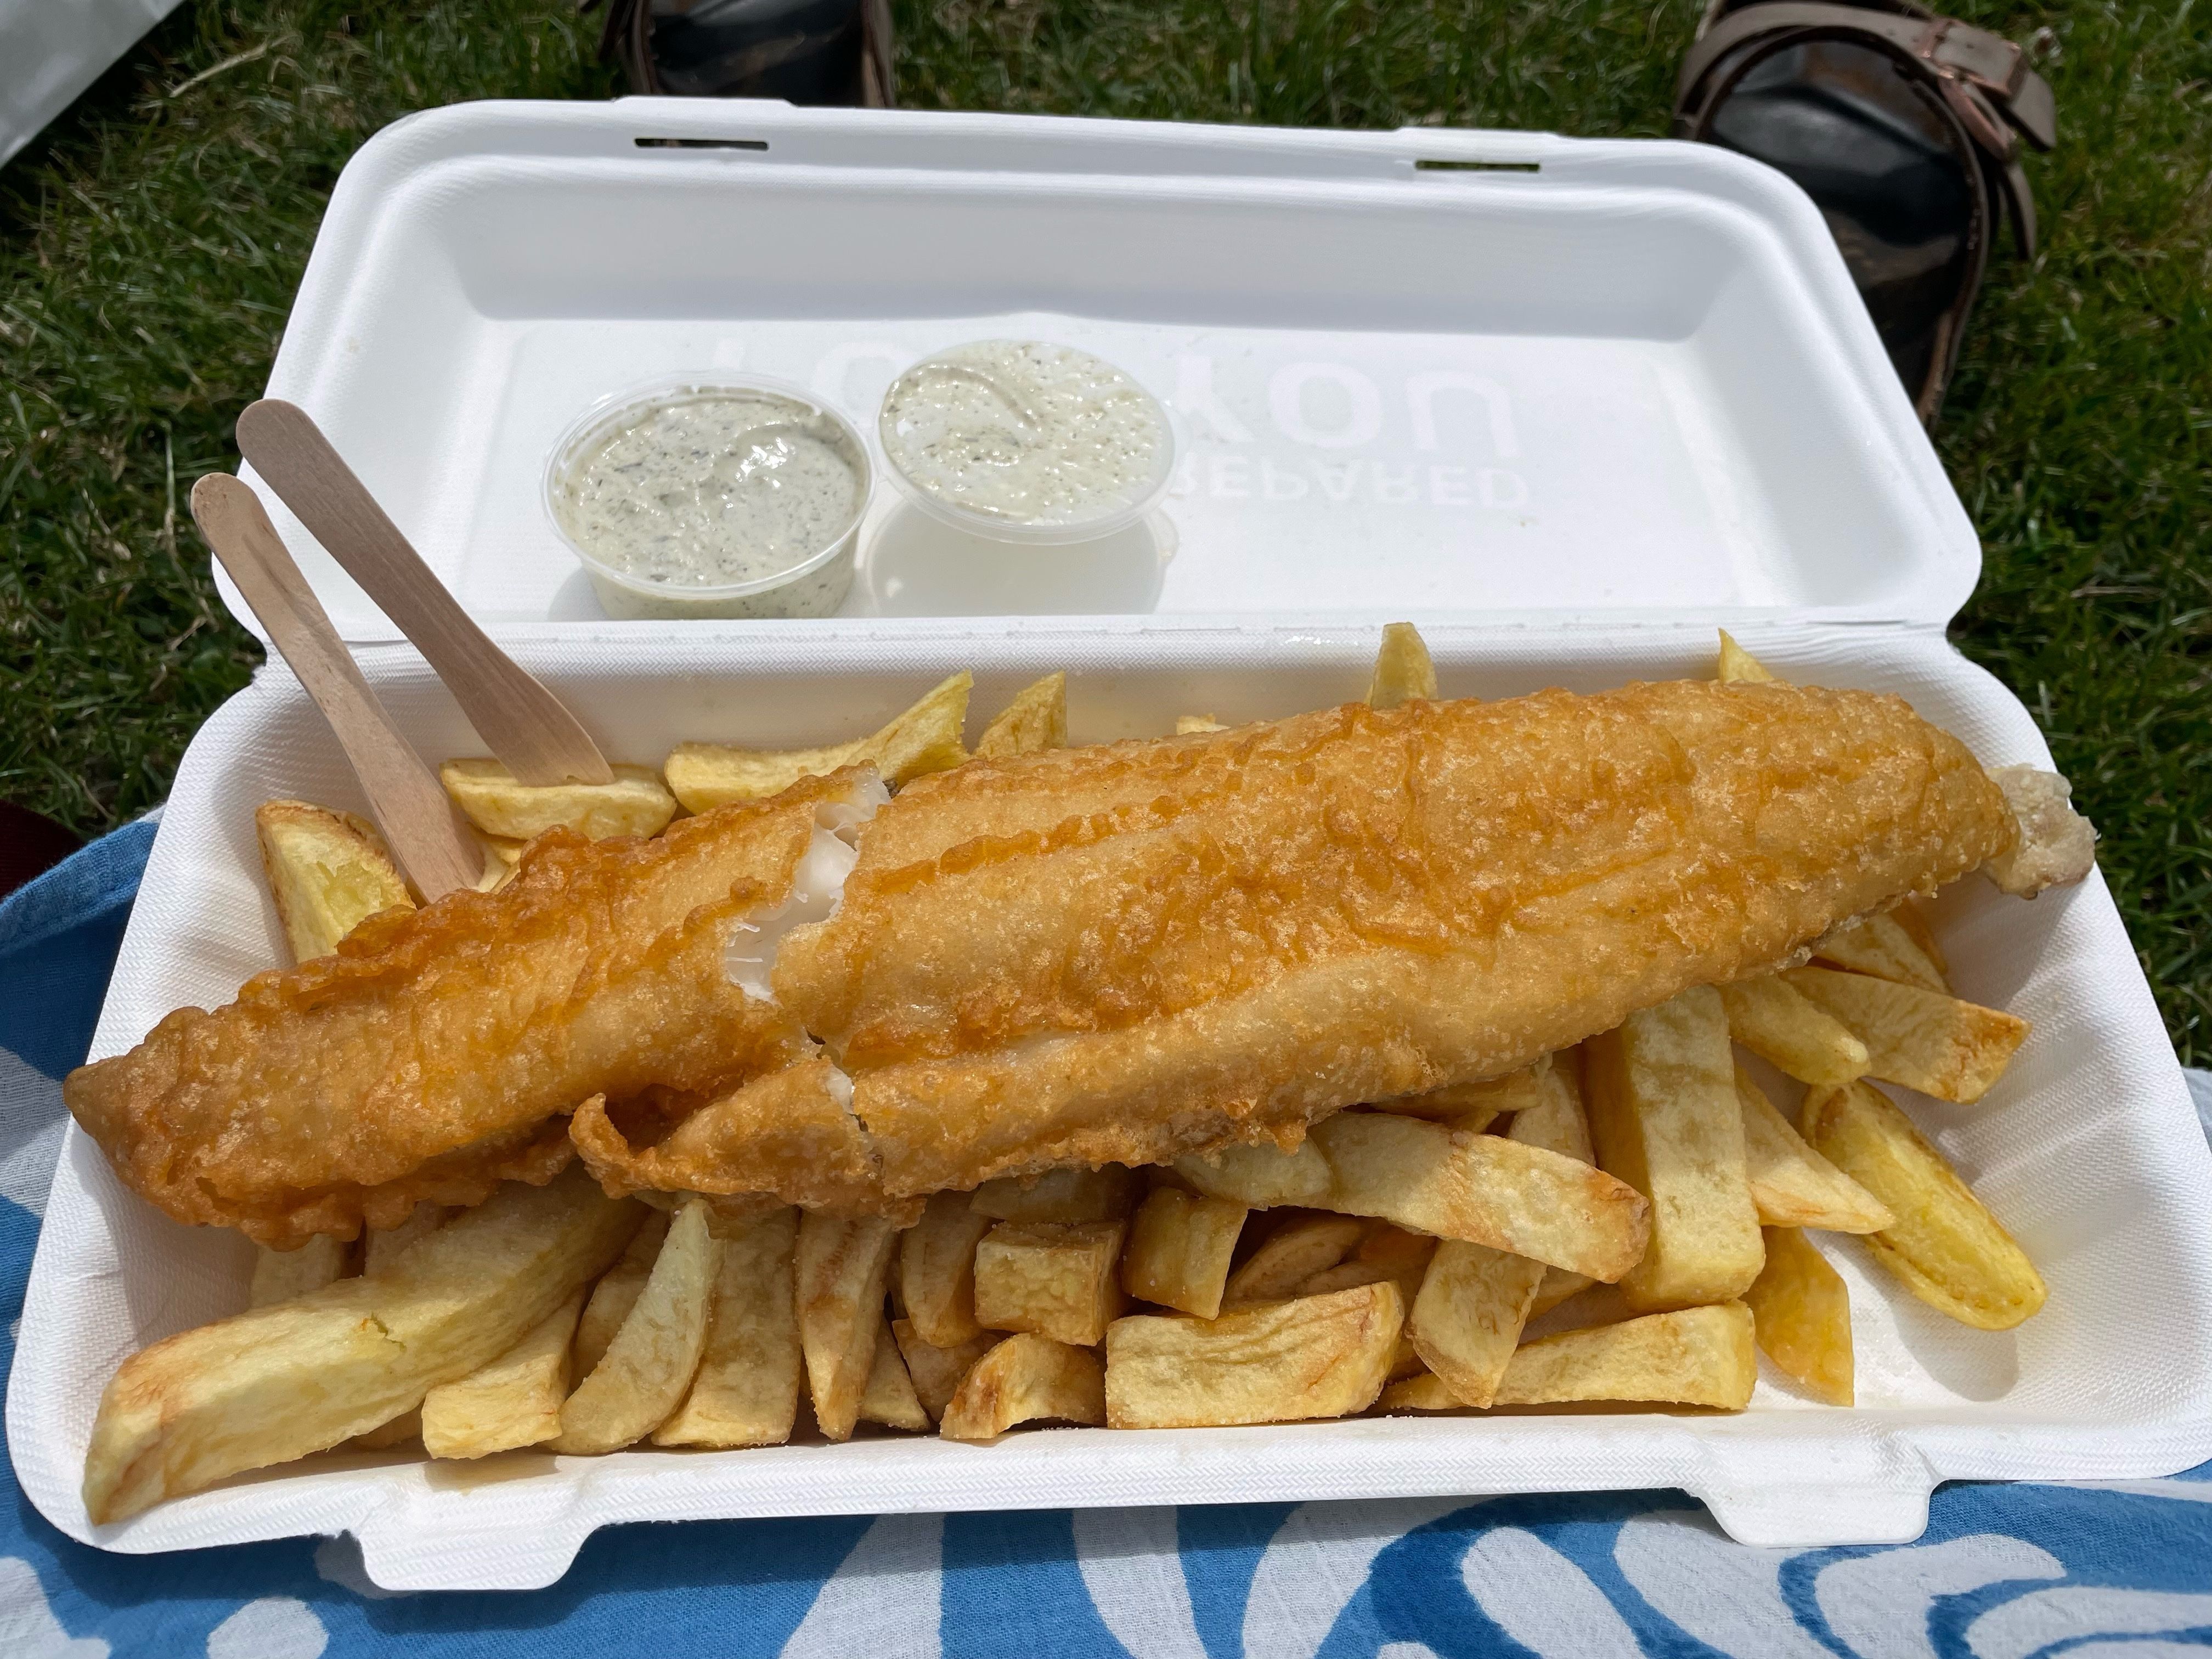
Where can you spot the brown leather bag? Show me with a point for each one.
(1904, 127)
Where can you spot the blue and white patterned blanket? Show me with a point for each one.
(2121, 1571)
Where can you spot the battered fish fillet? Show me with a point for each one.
(439, 1052)
(1126, 953)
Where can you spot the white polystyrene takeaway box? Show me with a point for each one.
(1567, 405)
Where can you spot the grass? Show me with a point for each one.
(150, 242)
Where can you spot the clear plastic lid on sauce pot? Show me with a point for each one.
(705, 496)
(1025, 440)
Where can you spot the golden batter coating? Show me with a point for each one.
(1129, 952)
(789, 1137)
(424, 1060)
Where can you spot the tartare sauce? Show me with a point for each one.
(711, 490)
(1025, 433)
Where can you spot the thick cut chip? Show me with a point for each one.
(1802, 1313)
(1552, 1118)
(926, 738)
(1792, 1185)
(381, 1248)
(502, 859)
(1403, 670)
(1782, 1025)
(1738, 664)
(280, 1275)
(1664, 1117)
(513, 1402)
(1181, 1247)
(1470, 1306)
(1887, 948)
(1448, 1105)
(382, 1245)
(1690, 1357)
(1055, 1279)
(1186, 725)
(1467, 1319)
(635, 804)
(1290, 1255)
(499, 867)
(746, 1391)
(1072, 1195)
(1911, 917)
(1483, 1188)
(328, 872)
(1546, 1101)
(890, 1397)
(1474, 1106)
(842, 1267)
(937, 1373)
(1945, 1245)
(1597, 1304)
(937, 1270)
(278, 1383)
(1560, 1285)
(1025, 1379)
(1387, 1255)
(616, 1293)
(1318, 1356)
(648, 1368)
(1036, 718)
(1423, 1391)
(1951, 1049)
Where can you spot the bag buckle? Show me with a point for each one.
(1992, 62)
(1969, 62)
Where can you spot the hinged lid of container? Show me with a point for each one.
(1420, 373)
